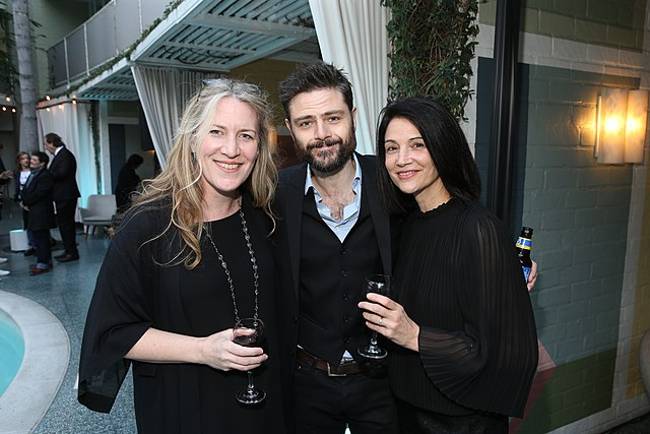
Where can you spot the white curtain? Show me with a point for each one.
(72, 123)
(164, 94)
(352, 36)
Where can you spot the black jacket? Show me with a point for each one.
(290, 197)
(63, 168)
(37, 196)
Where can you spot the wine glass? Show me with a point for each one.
(379, 283)
(251, 395)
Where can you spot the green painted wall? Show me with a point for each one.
(613, 23)
(575, 390)
(580, 212)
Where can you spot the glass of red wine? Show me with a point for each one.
(380, 284)
(249, 332)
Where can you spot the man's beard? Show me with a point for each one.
(328, 166)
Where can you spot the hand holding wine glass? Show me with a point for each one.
(377, 283)
(388, 318)
(249, 332)
(219, 351)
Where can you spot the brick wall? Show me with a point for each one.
(614, 23)
(562, 74)
(580, 214)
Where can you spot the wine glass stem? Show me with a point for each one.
(251, 386)
(373, 339)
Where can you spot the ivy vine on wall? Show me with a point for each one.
(432, 44)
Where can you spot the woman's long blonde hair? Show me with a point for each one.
(179, 183)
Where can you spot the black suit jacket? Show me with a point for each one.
(37, 196)
(64, 168)
(289, 206)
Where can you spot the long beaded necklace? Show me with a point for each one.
(226, 271)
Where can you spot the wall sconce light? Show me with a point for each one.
(621, 118)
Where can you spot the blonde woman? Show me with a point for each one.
(191, 258)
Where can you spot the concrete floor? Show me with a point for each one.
(66, 292)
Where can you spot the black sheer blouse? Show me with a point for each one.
(458, 278)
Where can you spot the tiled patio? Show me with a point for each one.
(66, 292)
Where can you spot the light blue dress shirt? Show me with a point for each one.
(351, 211)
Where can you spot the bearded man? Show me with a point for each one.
(333, 233)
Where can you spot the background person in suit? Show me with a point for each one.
(5, 177)
(37, 199)
(63, 169)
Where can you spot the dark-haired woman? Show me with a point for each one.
(462, 320)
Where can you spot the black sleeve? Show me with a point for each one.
(17, 186)
(120, 313)
(64, 166)
(490, 364)
(2, 169)
(41, 191)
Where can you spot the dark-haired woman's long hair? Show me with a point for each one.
(445, 142)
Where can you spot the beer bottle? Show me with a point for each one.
(524, 245)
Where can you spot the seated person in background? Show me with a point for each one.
(37, 200)
(128, 182)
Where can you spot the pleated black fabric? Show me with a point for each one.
(457, 276)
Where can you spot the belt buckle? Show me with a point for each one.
(331, 374)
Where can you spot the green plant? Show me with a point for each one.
(432, 45)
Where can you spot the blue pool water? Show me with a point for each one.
(12, 348)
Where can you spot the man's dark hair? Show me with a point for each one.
(54, 140)
(319, 75)
(134, 161)
(42, 157)
(445, 142)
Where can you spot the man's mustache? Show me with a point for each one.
(317, 144)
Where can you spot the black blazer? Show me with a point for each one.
(289, 207)
(37, 196)
(64, 168)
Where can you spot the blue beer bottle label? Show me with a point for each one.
(526, 271)
(524, 243)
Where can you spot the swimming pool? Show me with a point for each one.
(12, 349)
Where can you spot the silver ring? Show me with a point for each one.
(381, 320)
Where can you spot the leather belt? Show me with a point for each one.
(347, 368)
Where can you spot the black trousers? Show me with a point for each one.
(65, 211)
(42, 246)
(326, 405)
(413, 420)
